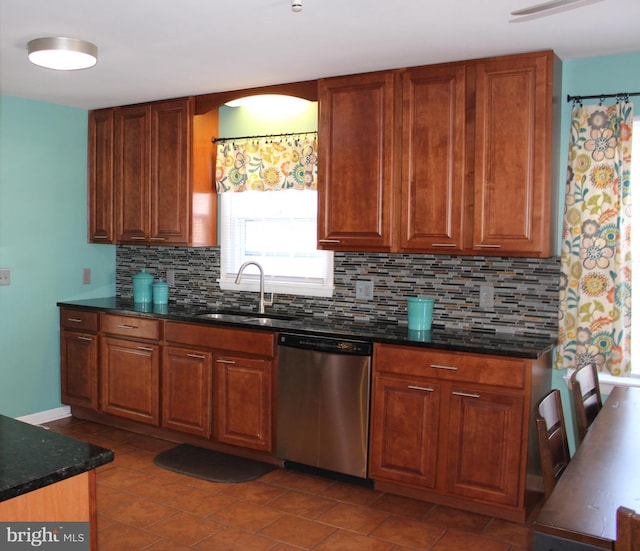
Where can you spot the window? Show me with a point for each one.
(277, 229)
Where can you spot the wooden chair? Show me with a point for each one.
(627, 530)
(586, 398)
(552, 439)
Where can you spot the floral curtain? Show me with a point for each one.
(267, 165)
(595, 284)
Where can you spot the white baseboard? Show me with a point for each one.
(46, 416)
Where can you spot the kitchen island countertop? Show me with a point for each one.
(440, 337)
(33, 457)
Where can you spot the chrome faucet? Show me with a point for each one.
(262, 302)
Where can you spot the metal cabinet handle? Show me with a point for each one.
(74, 320)
(424, 388)
(481, 246)
(145, 348)
(127, 327)
(225, 361)
(101, 237)
(85, 339)
(449, 367)
(466, 394)
(328, 241)
(444, 244)
(137, 238)
(199, 356)
(156, 239)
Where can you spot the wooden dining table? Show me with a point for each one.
(603, 474)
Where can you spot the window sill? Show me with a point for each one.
(607, 382)
(278, 289)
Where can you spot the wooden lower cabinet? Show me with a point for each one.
(484, 441)
(130, 385)
(243, 401)
(404, 430)
(79, 363)
(79, 358)
(231, 384)
(455, 428)
(186, 390)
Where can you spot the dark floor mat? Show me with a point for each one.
(211, 465)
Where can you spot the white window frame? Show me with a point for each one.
(230, 260)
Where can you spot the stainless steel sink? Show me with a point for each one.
(244, 317)
(222, 316)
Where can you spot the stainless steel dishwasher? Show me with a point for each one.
(323, 402)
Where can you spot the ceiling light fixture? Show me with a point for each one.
(62, 54)
(296, 5)
(268, 101)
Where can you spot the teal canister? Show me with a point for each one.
(160, 292)
(142, 287)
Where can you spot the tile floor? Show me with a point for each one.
(144, 507)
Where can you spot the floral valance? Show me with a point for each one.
(264, 164)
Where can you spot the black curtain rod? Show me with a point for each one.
(216, 140)
(621, 95)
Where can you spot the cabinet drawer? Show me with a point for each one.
(78, 319)
(450, 366)
(261, 343)
(129, 326)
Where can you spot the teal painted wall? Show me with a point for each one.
(43, 240)
(596, 75)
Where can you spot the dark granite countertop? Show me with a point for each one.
(479, 342)
(33, 457)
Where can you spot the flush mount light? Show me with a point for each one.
(296, 5)
(62, 54)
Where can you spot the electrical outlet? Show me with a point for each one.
(364, 290)
(486, 296)
(5, 276)
(86, 276)
(171, 278)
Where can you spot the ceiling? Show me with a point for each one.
(155, 49)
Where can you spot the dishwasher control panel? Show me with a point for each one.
(326, 344)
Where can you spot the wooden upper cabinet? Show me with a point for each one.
(132, 166)
(170, 131)
(152, 174)
(101, 150)
(470, 172)
(356, 161)
(433, 155)
(513, 156)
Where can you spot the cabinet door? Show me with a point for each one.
(356, 172)
(79, 369)
(513, 156)
(243, 402)
(129, 373)
(101, 150)
(485, 444)
(405, 418)
(170, 131)
(132, 172)
(433, 154)
(186, 391)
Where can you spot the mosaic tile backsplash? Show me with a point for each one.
(525, 290)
